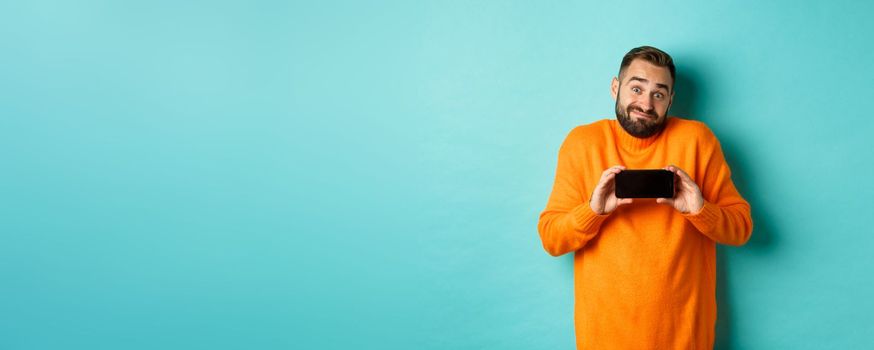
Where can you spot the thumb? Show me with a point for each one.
(668, 201)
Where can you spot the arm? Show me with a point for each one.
(725, 215)
(563, 230)
(715, 208)
(569, 222)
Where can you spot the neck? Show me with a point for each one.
(634, 143)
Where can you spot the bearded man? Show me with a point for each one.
(644, 268)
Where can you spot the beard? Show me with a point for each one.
(640, 128)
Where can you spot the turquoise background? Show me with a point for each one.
(326, 175)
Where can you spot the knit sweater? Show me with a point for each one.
(645, 274)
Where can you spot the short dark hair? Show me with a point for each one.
(651, 55)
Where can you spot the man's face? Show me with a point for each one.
(643, 97)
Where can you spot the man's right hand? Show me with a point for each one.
(603, 200)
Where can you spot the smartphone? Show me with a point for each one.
(645, 183)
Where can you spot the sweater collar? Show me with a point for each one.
(633, 143)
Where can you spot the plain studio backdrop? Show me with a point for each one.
(327, 175)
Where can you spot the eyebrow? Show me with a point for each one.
(646, 81)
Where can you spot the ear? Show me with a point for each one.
(614, 88)
(670, 102)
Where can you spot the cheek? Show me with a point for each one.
(638, 101)
(625, 101)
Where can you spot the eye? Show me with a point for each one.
(658, 95)
(635, 89)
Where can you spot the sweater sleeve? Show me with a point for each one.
(568, 221)
(725, 217)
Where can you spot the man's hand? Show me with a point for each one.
(687, 198)
(603, 200)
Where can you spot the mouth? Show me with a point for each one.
(643, 115)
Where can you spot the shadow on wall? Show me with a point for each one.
(689, 103)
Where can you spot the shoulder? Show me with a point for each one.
(592, 133)
(691, 130)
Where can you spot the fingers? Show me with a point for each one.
(599, 200)
(684, 177)
(608, 174)
(616, 169)
(682, 174)
(625, 201)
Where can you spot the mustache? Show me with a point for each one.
(650, 112)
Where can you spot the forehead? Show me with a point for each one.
(643, 69)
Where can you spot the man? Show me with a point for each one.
(644, 269)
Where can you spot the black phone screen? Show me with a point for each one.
(648, 183)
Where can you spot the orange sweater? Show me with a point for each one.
(645, 274)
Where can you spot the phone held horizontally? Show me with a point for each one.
(645, 183)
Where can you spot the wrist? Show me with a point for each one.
(595, 210)
(696, 211)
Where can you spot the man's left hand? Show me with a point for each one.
(687, 197)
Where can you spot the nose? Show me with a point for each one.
(646, 103)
